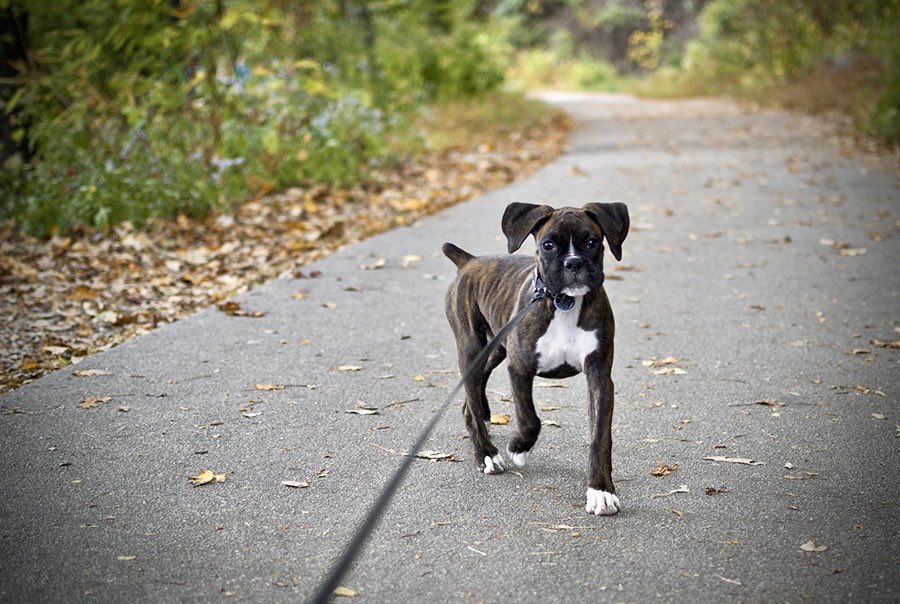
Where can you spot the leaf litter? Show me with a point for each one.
(95, 289)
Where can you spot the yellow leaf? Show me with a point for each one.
(420, 378)
(346, 592)
(94, 401)
(206, 477)
(270, 386)
(499, 419)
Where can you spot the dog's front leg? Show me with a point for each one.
(528, 424)
(601, 493)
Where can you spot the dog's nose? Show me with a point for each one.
(573, 263)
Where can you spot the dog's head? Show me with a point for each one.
(569, 241)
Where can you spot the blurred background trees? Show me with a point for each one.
(126, 110)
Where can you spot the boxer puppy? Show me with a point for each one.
(569, 332)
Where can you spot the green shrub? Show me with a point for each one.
(153, 108)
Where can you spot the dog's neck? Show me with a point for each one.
(561, 301)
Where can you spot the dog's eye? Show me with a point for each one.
(548, 246)
(592, 243)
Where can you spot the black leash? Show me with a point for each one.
(352, 550)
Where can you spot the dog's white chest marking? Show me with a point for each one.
(565, 343)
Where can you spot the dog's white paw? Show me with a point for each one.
(493, 465)
(602, 503)
(518, 459)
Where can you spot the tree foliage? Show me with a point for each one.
(133, 109)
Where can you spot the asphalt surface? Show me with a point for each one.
(745, 265)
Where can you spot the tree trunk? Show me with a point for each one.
(13, 55)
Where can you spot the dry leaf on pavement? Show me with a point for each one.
(499, 419)
(270, 386)
(663, 469)
(295, 484)
(681, 489)
(206, 477)
(810, 546)
(345, 592)
(670, 371)
(410, 261)
(349, 368)
(94, 401)
(233, 309)
(437, 456)
(92, 372)
(739, 460)
(654, 362)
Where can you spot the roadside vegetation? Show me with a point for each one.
(129, 111)
(810, 55)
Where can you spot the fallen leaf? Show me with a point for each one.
(878, 416)
(663, 470)
(92, 372)
(885, 344)
(810, 546)
(345, 592)
(206, 477)
(410, 261)
(550, 422)
(437, 456)
(349, 368)
(55, 350)
(654, 362)
(716, 490)
(739, 460)
(233, 309)
(856, 351)
(550, 408)
(125, 558)
(373, 265)
(94, 401)
(419, 378)
(499, 419)
(851, 252)
(670, 371)
(681, 489)
(300, 295)
(770, 402)
(270, 386)
(295, 484)
(82, 293)
(362, 411)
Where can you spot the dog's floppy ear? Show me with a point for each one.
(613, 220)
(520, 220)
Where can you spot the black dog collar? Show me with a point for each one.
(563, 302)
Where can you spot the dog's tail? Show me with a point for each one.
(459, 256)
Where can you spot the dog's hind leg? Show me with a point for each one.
(476, 411)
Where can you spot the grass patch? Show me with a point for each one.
(542, 68)
(474, 122)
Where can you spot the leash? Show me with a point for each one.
(352, 550)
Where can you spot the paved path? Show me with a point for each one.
(731, 274)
